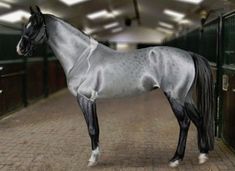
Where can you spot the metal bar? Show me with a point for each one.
(17, 61)
(12, 74)
(137, 14)
(45, 76)
(35, 59)
(218, 92)
(210, 21)
(228, 14)
(53, 58)
(229, 67)
(24, 84)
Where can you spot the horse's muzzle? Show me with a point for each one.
(27, 51)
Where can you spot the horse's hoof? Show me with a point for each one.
(94, 157)
(91, 163)
(174, 163)
(202, 158)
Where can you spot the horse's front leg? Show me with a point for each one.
(88, 108)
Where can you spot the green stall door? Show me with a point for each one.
(208, 42)
(228, 81)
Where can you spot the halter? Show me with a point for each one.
(40, 35)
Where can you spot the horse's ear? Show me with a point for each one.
(38, 10)
(31, 10)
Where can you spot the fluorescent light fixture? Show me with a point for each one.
(185, 21)
(99, 14)
(116, 13)
(103, 14)
(164, 30)
(88, 30)
(163, 24)
(72, 2)
(122, 46)
(111, 25)
(5, 5)
(49, 11)
(175, 14)
(14, 16)
(117, 30)
(191, 1)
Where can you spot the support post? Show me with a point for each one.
(218, 87)
(45, 75)
(24, 82)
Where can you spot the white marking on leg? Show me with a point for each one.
(202, 158)
(94, 157)
(174, 163)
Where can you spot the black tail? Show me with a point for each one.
(205, 96)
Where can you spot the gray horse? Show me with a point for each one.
(94, 71)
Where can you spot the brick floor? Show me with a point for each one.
(138, 133)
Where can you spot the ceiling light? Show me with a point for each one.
(191, 1)
(72, 2)
(175, 14)
(122, 45)
(166, 25)
(14, 16)
(185, 21)
(114, 24)
(116, 13)
(117, 30)
(98, 14)
(5, 5)
(164, 30)
(49, 11)
(88, 30)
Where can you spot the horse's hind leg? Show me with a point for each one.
(184, 123)
(197, 119)
(88, 108)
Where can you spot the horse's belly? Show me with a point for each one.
(115, 89)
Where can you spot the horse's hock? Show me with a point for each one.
(136, 134)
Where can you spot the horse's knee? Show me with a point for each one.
(184, 121)
(92, 131)
(185, 125)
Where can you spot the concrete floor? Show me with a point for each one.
(138, 133)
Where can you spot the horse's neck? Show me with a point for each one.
(68, 44)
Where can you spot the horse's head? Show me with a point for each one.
(34, 33)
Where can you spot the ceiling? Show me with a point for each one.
(150, 13)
